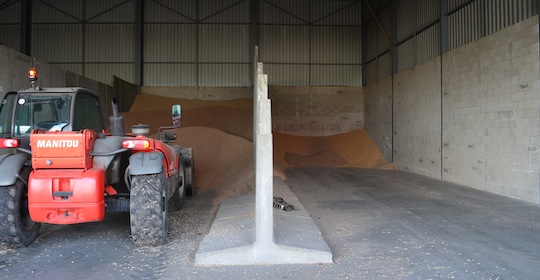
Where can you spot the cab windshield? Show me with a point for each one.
(47, 112)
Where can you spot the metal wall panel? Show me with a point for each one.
(285, 12)
(284, 44)
(224, 11)
(287, 74)
(105, 72)
(11, 13)
(428, 44)
(102, 11)
(384, 69)
(454, 4)
(224, 43)
(480, 18)
(10, 36)
(170, 43)
(372, 41)
(406, 53)
(72, 67)
(385, 19)
(109, 43)
(340, 13)
(336, 75)
(429, 12)
(406, 25)
(224, 74)
(170, 74)
(372, 72)
(57, 43)
(57, 11)
(170, 11)
(336, 45)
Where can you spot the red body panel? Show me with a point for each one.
(66, 196)
(62, 149)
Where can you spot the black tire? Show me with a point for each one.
(189, 180)
(178, 198)
(16, 226)
(148, 209)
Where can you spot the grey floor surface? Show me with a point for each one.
(378, 224)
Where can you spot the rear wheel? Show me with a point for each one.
(190, 176)
(148, 209)
(16, 226)
(178, 198)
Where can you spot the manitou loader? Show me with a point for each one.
(58, 165)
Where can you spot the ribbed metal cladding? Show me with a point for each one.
(57, 11)
(285, 11)
(104, 11)
(384, 69)
(109, 43)
(336, 45)
(428, 45)
(287, 74)
(224, 11)
(480, 18)
(224, 74)
(10, 36)
(58, 43)
(11, 14)
(170, 74)
(337, 13)
(170, 43)
(224, 43)
(166, 11)
(336, 75)
(406, 14)
(75, 67)
(406, 55)
(372, 75)
(104, 72)
(284, 44)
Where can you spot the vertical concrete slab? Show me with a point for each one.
(262, 249)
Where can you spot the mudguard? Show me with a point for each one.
(11, 165)
(146, 163)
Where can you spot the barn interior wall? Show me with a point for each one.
(476, 108)
(306, 111)
(378, 115)
(13, 77)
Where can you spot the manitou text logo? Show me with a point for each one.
(57, 143)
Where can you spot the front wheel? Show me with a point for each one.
(16, 226)
(148, 209)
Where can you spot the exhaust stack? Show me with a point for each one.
(116, 121)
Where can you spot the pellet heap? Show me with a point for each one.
(221, 133)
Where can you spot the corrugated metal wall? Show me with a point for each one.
(209, 42)
(470, 21)
(91, 38)
(197, 43)
(306, 42)
(418, 28)
(10, 19)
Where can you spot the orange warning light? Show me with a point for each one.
(32, 74)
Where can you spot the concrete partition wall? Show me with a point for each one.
(378, 115)
(417, 119)
(491, 113)
(488, 103)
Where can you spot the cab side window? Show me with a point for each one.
(87, 113)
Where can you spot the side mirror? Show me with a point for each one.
(177, 115)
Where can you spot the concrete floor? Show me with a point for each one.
(378, 224)
(398, 225)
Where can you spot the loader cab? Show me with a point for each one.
(52, 109)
